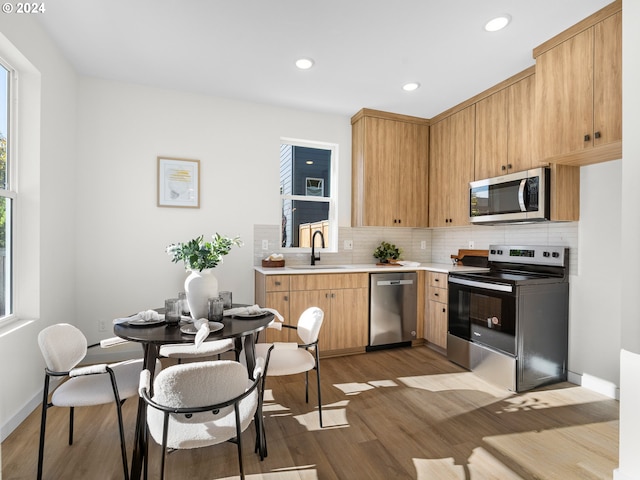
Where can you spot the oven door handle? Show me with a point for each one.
(523, 185)
(500, 287)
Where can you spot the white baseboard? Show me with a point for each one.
(596, 384)
(618, 475)
(13, 422)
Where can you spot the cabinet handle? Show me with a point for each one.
(326, 295)
(509, 166)
(333, 295)
(587, 137)
(443, 310)
(596, 135)
(278, 284)
(436, 294)
(504, 167)
(436, 279)
(286, 298)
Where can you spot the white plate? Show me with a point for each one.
(190, 329)
(250, 315)
(145, 323)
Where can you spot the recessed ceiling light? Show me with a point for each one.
(304, 63)
(411, 86)
(497, 23)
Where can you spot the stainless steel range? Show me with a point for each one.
(510, 324)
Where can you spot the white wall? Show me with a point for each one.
(45, 251)
(122, 234)
(630, 314)
(594, 328)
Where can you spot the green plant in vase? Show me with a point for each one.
(387, 253)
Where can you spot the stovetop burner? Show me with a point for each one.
(516, 265)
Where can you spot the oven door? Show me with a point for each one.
(483, 313)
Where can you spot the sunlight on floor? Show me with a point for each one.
(334, 415)
(560, 397)
(481, 464)
(306, 472)
(357, 388)
(453, 381)
(574, 451)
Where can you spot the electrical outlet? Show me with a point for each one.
(423, 245)
(103, 325)
(265, 244)
(348, 244)
(472, 244)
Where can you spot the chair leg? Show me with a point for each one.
(239, 439)
(319, 394)
(71, 412)
(165, 434)
(118, 402)
(306, 386)
(43, 423)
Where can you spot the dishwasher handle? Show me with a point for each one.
(391, 283)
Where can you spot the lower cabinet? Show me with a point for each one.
(436, 317)
(343, 298)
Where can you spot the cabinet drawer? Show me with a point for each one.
(277, 283)
(438, 294)
(436, 279)
(329, 281)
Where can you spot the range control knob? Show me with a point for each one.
(493, 252)
(545, 254)
(555, 254)
(499, 252)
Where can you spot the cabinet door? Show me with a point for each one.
(280, 302)
(451, 169)
(349, 318)
(460, 166)
(438, 153)
(521, 142)
(436, 328)
(303, 299)
(607, 81)
(491, 136)
(412, 188)
(380, 171)
(564, 96)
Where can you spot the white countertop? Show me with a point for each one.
(367, 268)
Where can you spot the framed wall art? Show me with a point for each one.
(178, 182)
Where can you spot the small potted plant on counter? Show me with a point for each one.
(387, 253)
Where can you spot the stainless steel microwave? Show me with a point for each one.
(521, 197)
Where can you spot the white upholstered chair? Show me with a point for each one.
(200, 404)
(63, 346)
(289, 358)
(206, 349)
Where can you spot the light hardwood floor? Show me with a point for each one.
(402, 413)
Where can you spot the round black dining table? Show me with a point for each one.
(243, 330)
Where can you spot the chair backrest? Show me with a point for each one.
(62, 346)
(309, 324)
(200, 383)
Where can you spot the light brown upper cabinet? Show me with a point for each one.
(579, 91)
(389, 170)
(451, 153)
(504, 130)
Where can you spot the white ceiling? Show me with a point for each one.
(364, 49)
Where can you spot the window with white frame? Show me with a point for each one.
(308, 187)
(7, 193)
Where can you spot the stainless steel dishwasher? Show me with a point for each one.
(392, 309)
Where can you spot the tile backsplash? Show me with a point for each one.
(439, 243)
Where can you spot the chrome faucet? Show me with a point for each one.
(313, 246)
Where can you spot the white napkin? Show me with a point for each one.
(408, 263)
(202, 325)
(146, 316)
(252, 310)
